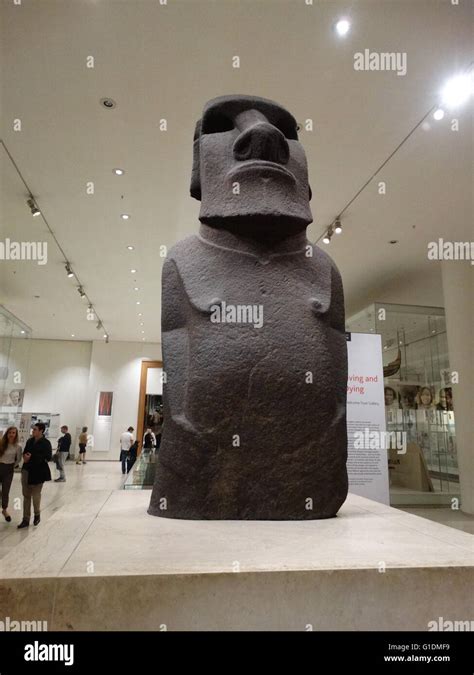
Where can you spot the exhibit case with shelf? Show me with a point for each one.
(14, 354)
(419, 400)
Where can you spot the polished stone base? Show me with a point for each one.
(103, 564)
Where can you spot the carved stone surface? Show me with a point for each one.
(253, 334)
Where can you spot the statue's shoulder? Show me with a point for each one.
(323, 263)
(185, 249)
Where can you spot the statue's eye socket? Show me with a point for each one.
(217, 124)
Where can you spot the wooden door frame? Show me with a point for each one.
(142, 398)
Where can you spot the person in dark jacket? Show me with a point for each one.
(64, 443)
(35, 472)
(132, 455)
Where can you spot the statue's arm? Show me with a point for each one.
(337, 312)
(174, 338)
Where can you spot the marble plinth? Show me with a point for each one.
(103, 564)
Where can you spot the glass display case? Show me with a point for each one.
(14, 353)
(418, 399)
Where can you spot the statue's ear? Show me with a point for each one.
(196, 173)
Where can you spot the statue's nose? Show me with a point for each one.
(262, 140)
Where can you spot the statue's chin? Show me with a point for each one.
(257, 224)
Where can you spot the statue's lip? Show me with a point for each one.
(251, 164)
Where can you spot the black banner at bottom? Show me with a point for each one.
(71, 652)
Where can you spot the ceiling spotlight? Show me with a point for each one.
(33, 208)
(143, 332)
(136, 288)
(140, 314)
(80, 290)
(124, 216)
(457, 90)
(72, 335)
(342, 27)
(99, 325)
(106, 339)
(138, 302)
(130, 248)
(133, 271)
(142, 324)
(69, 271)
(105, 335)
(438, 114)
(118, 172)
(108, 103)
(326, 239)
(337, 226)
(22, 332)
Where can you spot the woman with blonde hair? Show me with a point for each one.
(10, 455)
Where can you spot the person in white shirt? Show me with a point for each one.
(126, 441)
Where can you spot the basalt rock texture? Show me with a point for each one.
(254, 347)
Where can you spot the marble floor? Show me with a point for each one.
(91, 508)
(98, 561)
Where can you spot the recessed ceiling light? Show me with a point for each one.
(138, 302)
(142, 324)
(118, 172)
(22, 332)
(136, 288)
(108, 103)
(342, 27)
(140, 314)
(124, 216)
(130, 248)
(133, 271)
(438, 114)
(457, 90)
(72, 335)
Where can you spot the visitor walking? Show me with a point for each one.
(34, 473)
(126, 441)
(10, 456)
(64, 443)
(82, 446)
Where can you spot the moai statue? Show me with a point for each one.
(253, 334)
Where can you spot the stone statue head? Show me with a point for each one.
(249, 169)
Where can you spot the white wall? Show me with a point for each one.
(56, 377)
(64, 376)
(116, 367)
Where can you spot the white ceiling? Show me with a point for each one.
(164, 62)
